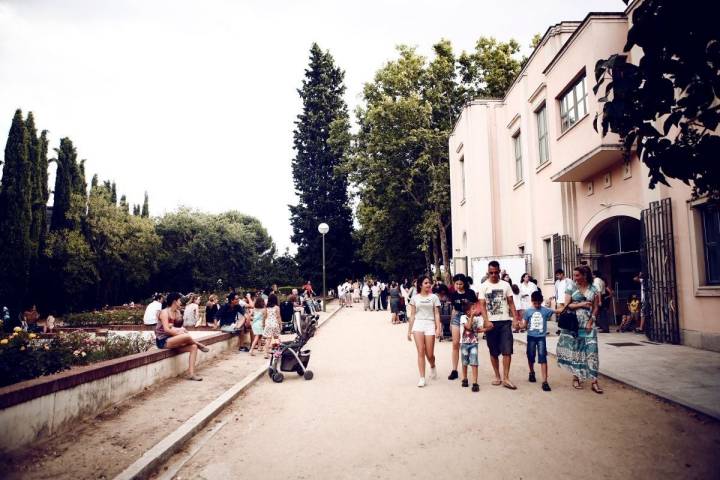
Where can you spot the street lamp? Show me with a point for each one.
(324, 228)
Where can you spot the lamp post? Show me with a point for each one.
(323, 228)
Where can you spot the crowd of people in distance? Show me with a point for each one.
(255, 318)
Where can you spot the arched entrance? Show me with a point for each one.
(614, 250)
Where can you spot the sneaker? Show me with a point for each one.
(433, 373)
(464, 382)
(546, 387)
(531, 377)
(244, 349)
(475, 387)
(421, 382)
(453, 375)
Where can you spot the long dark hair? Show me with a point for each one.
(272, 301)
(420, 281)
(585, 271)
(170, 299)
(459, 277)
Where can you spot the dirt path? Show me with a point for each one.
(363, 417)
(103, 446)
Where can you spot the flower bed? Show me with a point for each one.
(24, 356)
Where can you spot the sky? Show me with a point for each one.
(195, 101)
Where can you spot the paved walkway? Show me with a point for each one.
(363, 417)
(684, 375)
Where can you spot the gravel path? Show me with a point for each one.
(363, 417)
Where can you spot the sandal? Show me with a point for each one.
(497, 383)
(203, 348)
(195, 378)
(508, 384)
(576, 384)
(596, 388)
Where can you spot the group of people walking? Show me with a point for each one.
(495, 311)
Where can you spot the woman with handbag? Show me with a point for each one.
(577, 350)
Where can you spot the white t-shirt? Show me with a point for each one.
(375, 290)
(560, 287)
(525, 292)
(425, 307)
(151, 313)
(496, 297)
(365, 291)
(599, 285)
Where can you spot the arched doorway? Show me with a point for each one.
(615, 252)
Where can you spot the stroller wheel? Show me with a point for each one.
(299, 372)
(278, 377)
(308, 375)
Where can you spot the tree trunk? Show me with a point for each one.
(436, 255)
(442, 229)
(428, 261)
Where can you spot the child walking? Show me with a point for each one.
(535, 320)
(258, 323)
(471, 327)
(272, 323)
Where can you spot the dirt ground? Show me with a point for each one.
(362, 416)
(103, 446)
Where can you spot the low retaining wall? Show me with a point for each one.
(44, 406)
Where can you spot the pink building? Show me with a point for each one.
(531, 178)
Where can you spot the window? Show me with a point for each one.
(572, 104)
(518, 158)
(711, 243)
(547, 248)
(462, 175)
(540, 115)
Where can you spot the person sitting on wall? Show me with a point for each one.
(232, 320)
(169, 336)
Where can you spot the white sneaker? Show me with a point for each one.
(433, 373)
(421, 383)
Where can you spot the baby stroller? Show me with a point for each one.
(290, 356)
(445, 317)
(287, 316)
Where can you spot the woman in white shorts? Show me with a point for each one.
(425, 326)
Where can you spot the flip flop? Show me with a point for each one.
(509, 385)
(497, 383)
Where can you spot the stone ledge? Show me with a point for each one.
(38, 387)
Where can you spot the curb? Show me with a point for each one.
(660, 395)
(149, 462)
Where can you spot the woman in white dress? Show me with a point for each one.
(191, 315)
(526, 288)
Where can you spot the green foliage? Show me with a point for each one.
(400, 162)
(666, 106)
(16, 215)
(87, 348)
(101, 318)
(70, 270)
(321, 139)
(23, 356)
(145, 207)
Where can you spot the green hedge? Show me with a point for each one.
(124, 316)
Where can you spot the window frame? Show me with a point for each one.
(570, 103)
(705, 211)
(541, 121)
(517, 154)
(462, 177)
(549, 258)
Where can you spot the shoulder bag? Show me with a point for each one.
(567, 320)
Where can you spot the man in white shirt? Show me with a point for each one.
(152, 311)
(366, 296)
(375, 289)
(347, 291)
(496, 301)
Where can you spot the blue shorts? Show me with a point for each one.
(455, 319)
(469, 354)
(160, 342)
(536, 343)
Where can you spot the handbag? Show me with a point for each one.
(567, 320)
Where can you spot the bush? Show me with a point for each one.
(23, 356)
(287, 290)
(88, 348)
(116, 316)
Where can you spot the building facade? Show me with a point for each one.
(531, 179)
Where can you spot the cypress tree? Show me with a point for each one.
(136, 210)
(124, 206)
(145, 207)
(37, 154)
(15, 216)
(66, 165)
(113, 193)
(321, 138)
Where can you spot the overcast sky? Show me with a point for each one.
(194, 101)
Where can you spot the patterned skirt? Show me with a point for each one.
(579, 355)
(272, 329)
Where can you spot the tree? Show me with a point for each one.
(321, 139)
(37, 155)
(400, 165)
(15, 215)
(667, 106)
(145, 207)
(66, 184)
